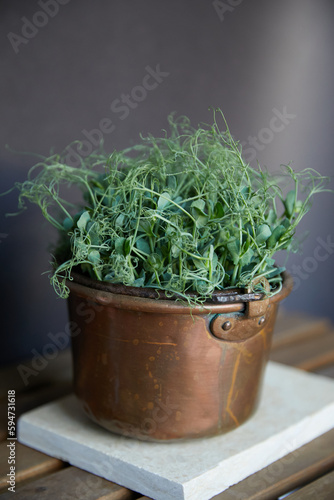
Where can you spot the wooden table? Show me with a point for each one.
(304, 342)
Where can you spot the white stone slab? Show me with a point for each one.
(296, 407)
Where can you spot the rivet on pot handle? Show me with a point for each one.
(241, 326)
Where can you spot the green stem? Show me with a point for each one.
(157, 277)
(234, 276)
(137, 226)
(170, 201)
(59, 204)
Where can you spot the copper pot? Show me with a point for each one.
(161, 370)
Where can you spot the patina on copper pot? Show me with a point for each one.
(161, 370)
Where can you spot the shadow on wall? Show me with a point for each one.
(74, 72)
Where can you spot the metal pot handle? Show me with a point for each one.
(241, 326)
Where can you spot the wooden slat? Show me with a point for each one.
(321, 489)
(293, 328)
(311, 354)
(3, 425)
(70, 484)
(292, 471)
(29, 463)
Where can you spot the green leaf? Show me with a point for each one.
(171, 182)
(164, 200)
(170, 232)
(94, 256)
(275, 272)
(255, 201)
(247, 257)
(289, 203)
(119, 245)
(234, 249)
(286, 223)
(84, 218)
(153, 263)
(92, 229)
(201, 221)
(67, 224)
(269, 261)
(245, 191)
(80, 249)
(218, 211)
(197, 210)
(202, 286)
(199, 206)
(143, 245)
(276, 235)
(199, 264)
(262, 234)
(109, 276)
(145, 227)
(164, 251)
(139, 281)
(175, 250)
(222, 237)
(120, 220)
(271, 217)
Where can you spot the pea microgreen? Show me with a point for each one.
(181, 213)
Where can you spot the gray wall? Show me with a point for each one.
(249, 59)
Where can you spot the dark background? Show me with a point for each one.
(247, 57)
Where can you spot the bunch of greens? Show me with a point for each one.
(180, 213)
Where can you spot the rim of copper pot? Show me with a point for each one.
(122, 297)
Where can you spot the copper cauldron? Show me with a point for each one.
(159, 370)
